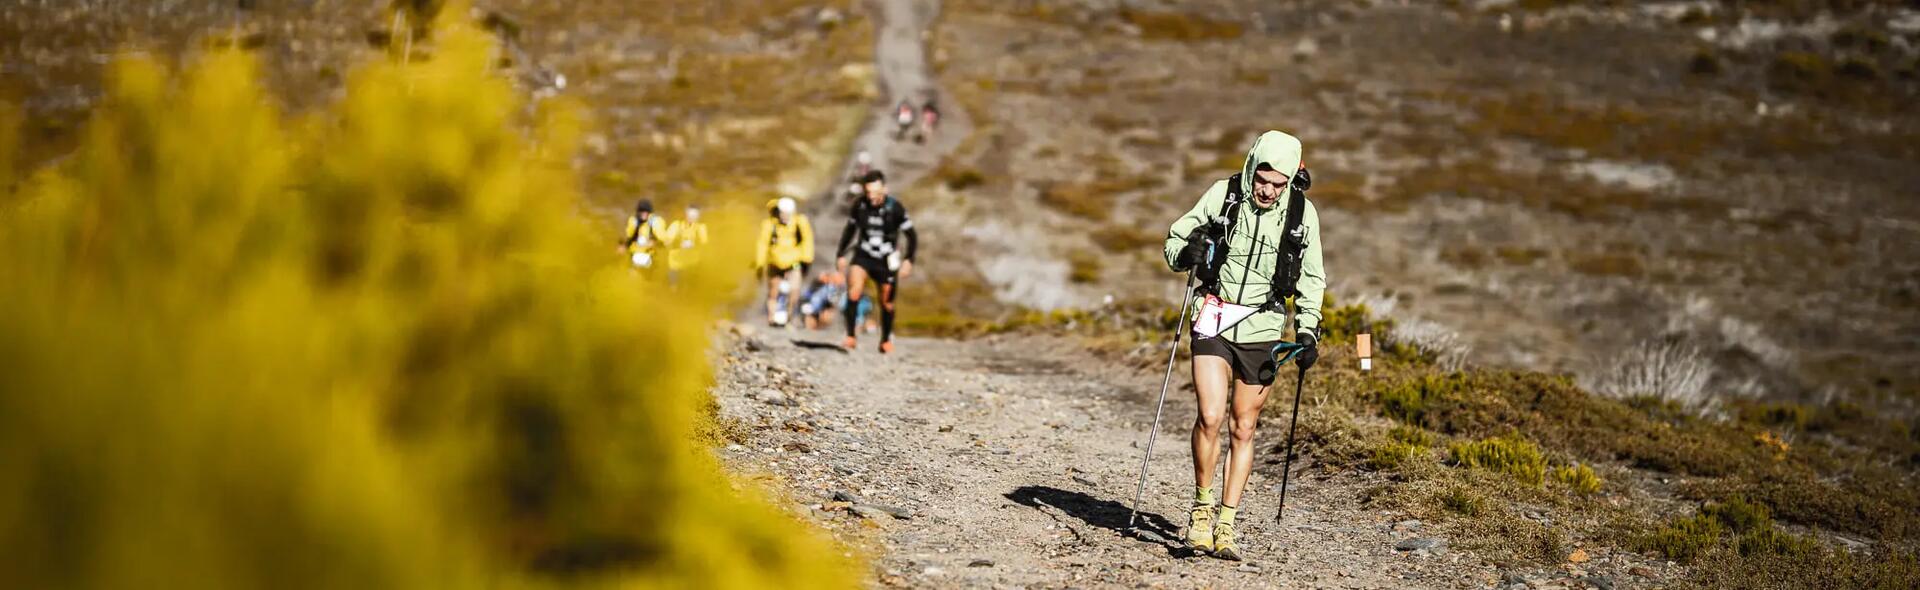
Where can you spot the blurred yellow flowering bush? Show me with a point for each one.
(378, 347)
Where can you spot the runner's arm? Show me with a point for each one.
(912, 236)
(1193, 219)
(846, 235)
(670, 235)
(766, 241)
(1313, 276)
(806, 239)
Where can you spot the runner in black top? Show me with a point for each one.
(870, 248)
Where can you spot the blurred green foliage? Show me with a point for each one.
(376, 347)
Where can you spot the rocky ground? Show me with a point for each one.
(1009, 462)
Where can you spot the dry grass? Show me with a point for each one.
(1180, 26)
(1083, 267)
(1665, 370)
(1118, 238)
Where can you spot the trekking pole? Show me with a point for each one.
(1173, 353)
(1286, 466)
(1283, 352)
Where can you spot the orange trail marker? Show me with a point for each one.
(1363, 347)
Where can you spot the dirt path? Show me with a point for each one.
(1012, 462)
(901, 66)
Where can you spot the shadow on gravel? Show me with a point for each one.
(1106, 514)
(818, 345)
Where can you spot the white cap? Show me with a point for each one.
(785, 205)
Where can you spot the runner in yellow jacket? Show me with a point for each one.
(645, 237)
(686, 237)
(785, 250)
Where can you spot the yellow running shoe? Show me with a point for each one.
(1223, 542)
(1200, 530)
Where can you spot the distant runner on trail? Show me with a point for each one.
(862, 164)
(646, 236)
(870, 248)
(688, 236)
(824, 296)
(1242, 315)
(785, 250)
(929, 120)
(903, 117)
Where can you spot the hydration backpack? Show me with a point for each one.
(1292, 248)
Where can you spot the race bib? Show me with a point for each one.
(1216, 316)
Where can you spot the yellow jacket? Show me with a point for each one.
(685, 238)
(784, 245)
(649, 238)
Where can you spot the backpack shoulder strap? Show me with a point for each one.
(1230, 206)
(1293, 245)
(1296, 207)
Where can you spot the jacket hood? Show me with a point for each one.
(1275, 149)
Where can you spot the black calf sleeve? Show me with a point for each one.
(853, 315)
(886, 313)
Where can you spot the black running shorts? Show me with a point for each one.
(1252, 363)
(774, 271)
(876, 269)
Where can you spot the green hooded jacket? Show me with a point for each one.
(1247, 275)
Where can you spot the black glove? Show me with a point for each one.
(1196, 251)
(1309, 352)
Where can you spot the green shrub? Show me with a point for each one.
(378, 347)
(1798, 69)
(1462, 501)
(1511, 455)
(1705, 63)
(1739, 515)
(1339, 323)
(1792, 415)
(1411, 435)
(1858, 69)
(1873, 502)
(1862, 38)
(1684, 539)
(1579, 478)
(1407, 400)
(1391, 454)
(1768, 539)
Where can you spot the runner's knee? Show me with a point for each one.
(1243, 431)
(1210, 419)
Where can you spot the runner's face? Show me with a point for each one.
(876, 192)
(1267, 186)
